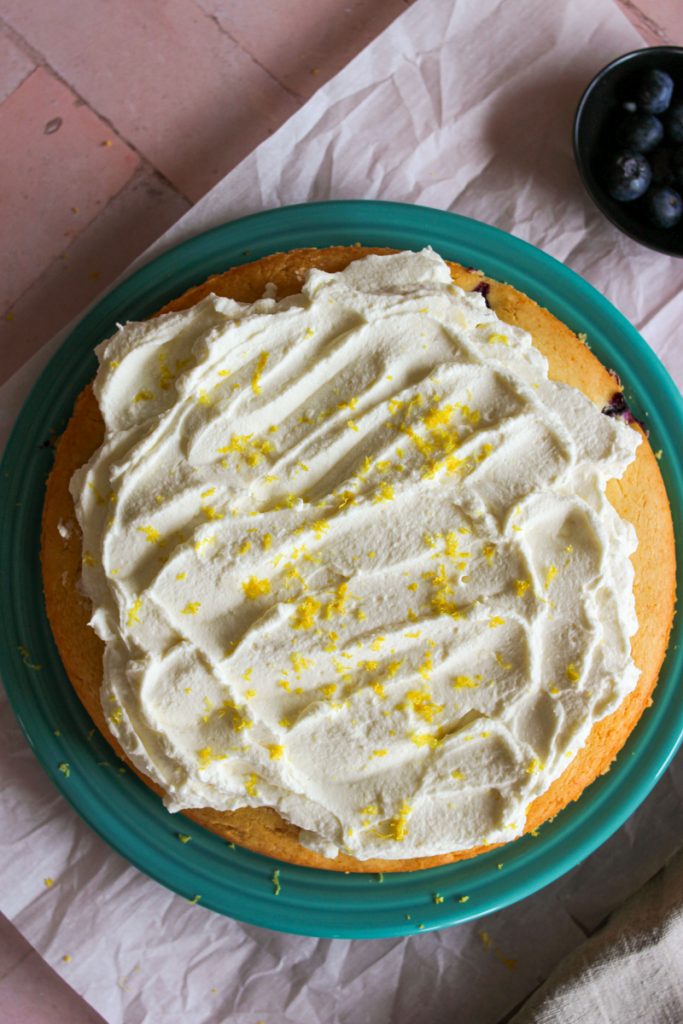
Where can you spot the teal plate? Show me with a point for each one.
(128, 815)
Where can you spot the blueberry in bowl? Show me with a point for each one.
(628, 145)
(628, 176)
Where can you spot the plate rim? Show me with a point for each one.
(343, 216)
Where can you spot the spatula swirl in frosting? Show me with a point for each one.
(351, 557)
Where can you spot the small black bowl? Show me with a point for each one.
(599, 105)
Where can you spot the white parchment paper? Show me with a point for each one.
(465, 106)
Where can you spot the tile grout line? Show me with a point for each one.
(645, 21)
(9, 34)
(42, 62)
(5, 975)
(233, 39)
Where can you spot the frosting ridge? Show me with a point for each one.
(351, 557)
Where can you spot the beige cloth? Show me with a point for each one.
(628, 972)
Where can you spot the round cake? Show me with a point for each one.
(358, 558)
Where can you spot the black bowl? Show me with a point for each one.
(599, 105)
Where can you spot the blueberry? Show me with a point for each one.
(628, 176)
(664, 206)
(674, 123)
(654, 91)
(642, 132)
(677, 166)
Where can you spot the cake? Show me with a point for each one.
(371, 573)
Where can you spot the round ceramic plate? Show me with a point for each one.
(130, 817)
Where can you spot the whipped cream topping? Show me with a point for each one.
(351, 558)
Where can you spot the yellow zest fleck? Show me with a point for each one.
(329, 689)
(246, 546)
(332, 638)
(422, 704)
(377, 643)
(398, 828)
(320, 526)
(572, 674)
(181, 576)
(497, 339)
(133, 611)
(379, 690)
(114, 364)
(550, 575)
(88, 558)
(351, 404)
(425, 739)
(250, 784)
(152, 536)
(210, 512)
(457, 774)
(380, 753)
(285, 723)
(534, 766)
(426, 668)
(48, 882)
(299, 662)
(144, 396)
(352, 425)
(249, 693)
(495, 621)
(305, 613)
(489, 551)
(276, 751)
(338, 603)
(203, 398)
(224, 373)
(260, 367)
(385, 493)
(521, 587)
(345, 498)
(191, 608)
(503, 664)
(204, 542)
(255, 588)
(117, 715)
(464, 683)
(204, 757)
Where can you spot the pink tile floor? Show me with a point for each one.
(116, 117)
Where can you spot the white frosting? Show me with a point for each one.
(351, 557)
